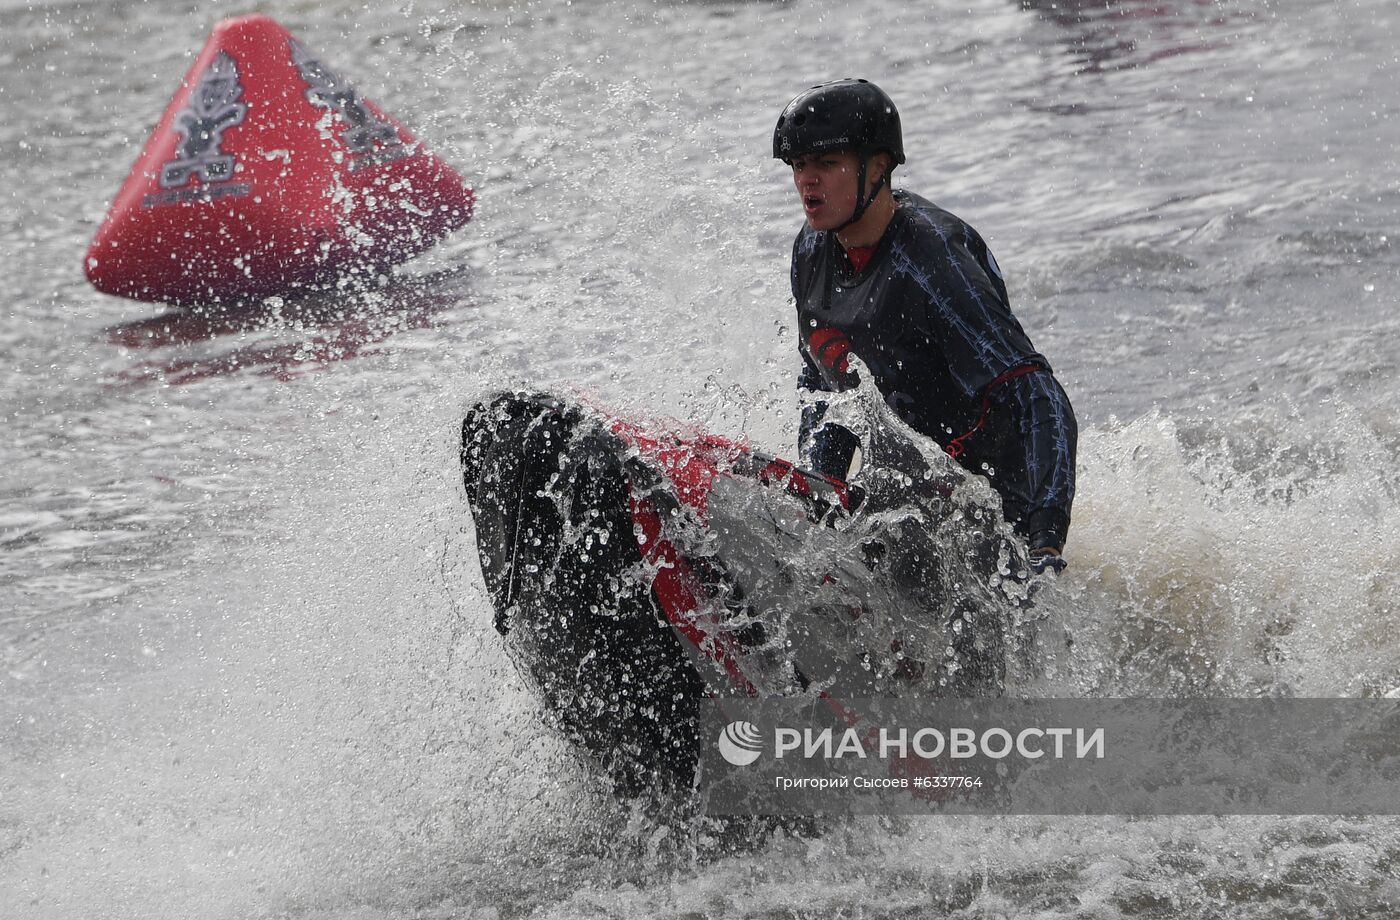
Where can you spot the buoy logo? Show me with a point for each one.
(740, 743)
(213, 108)
(371, 139)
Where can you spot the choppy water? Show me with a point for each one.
(247, 663)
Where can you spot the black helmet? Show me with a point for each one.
(842, 115)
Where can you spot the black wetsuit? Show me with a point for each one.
(929, 316)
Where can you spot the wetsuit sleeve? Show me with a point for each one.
(967, 310)
(826, 448)
(969, 314)
(1049, 438)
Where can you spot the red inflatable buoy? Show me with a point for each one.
(268, 171)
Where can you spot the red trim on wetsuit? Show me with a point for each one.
(958, 445)
(859, 257)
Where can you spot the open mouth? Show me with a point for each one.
(811, 202)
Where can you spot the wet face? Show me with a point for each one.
(826, 185)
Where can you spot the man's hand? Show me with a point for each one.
(1045, 550)
(1047, 557)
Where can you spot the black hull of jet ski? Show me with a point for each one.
(549, 495)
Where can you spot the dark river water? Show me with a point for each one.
(246, 662)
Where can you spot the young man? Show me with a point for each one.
(914, 293)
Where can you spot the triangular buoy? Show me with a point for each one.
(269, 171)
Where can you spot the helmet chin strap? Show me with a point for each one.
(863, 201)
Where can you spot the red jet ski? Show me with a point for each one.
(636, 569)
